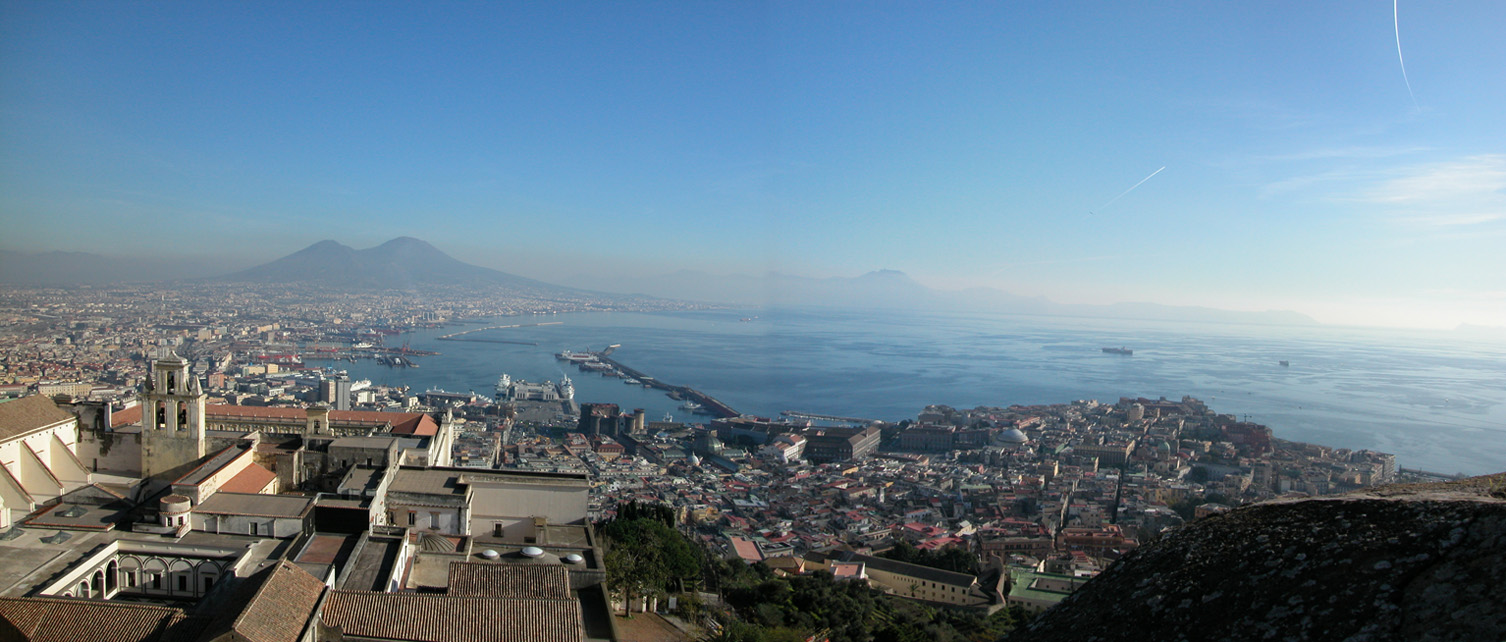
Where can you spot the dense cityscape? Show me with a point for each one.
(1040, 498)
(753, 322)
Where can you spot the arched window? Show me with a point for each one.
(83, 589)
(180, 571)
(97, 584)
(209, 573)
(130, 569)
(112, 576)
(182, 416)
(152, 573)
(171, 383)
(161, 414)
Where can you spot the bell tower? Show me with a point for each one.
(172, 416)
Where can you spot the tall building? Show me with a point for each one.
(172, 421)
(335, 391)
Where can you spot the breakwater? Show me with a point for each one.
(453, 336)
(795, 414)
(711, 404)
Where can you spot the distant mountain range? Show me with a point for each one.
(403, 263)
(890, 289)
(406, 263)
(47, 269)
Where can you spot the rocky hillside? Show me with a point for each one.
(1405, 562)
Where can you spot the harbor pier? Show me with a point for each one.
(711, 404)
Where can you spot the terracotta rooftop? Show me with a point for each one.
(39, 619)
(449, 618)
(509, 580)
(251, 480)
(127, 417)
(279, 601)
(403, 423)
(29, 414)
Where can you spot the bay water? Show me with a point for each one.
(1436, 400)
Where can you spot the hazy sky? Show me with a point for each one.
(965, 144)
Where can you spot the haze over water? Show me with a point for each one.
(1433, 401)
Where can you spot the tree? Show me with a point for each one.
(951, 558)
(645, 555)
(633, 572)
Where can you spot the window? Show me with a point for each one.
(497, 529)
(434, 520)
(182, 582)
(253, 528)
(412, 518)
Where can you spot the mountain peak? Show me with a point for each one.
(406, 242)
(892, 275)
(402, 263)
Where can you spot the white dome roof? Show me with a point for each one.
(1012, 436)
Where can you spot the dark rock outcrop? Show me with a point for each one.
(1406, 562)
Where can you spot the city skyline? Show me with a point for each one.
(1239, 156)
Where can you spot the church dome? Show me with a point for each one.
(1012, 436)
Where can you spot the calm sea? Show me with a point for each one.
(1439, 403)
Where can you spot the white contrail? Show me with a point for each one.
(1396, 22)
(1131, 189)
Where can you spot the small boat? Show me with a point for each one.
(1284, 363)
(1119, 350)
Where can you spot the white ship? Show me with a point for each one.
(509, 389)
(575, 357)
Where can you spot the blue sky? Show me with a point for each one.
(965, 144)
